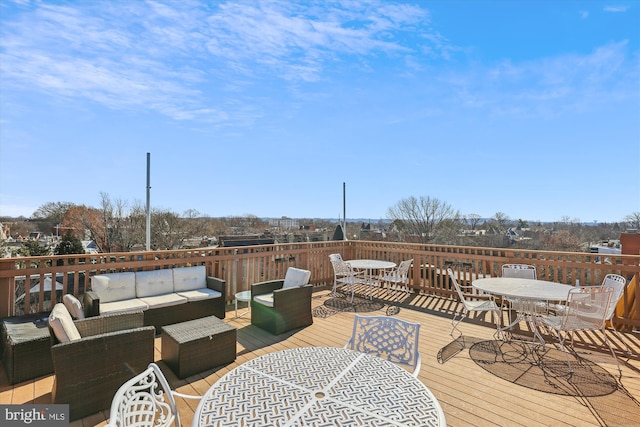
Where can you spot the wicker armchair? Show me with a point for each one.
(283, 307)
(89, 371)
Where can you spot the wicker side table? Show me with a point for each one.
(197, 345)
(26, 347)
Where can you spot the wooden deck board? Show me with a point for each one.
(469, 395)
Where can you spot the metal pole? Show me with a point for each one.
(148, 201)
(344, 209)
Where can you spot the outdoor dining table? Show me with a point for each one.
(527, 293)
(368, 266)
(318, 386)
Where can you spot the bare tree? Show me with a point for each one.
(423, 219)
(473, 220)
(502, 220)
(633, 220)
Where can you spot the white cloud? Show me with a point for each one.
(615, 9)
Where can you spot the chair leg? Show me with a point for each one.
(628, 351)
(564, 348)
(455, 323)
(606, 340)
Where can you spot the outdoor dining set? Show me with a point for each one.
(302, 386)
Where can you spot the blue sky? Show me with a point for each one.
(529, 108)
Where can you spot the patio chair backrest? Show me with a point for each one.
(586, 308)
(403, 268)
(618, 283)
(520, 271)
(387, 337)
(144, 400)
(464, 292)
(342, 268)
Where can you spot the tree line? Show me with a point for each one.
(118, 226)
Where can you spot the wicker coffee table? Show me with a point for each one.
(197, 345)
(26, 347)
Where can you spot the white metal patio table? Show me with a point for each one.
(369, 266)
(527, 292)
(318, 386)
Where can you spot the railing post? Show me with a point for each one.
(7, 296)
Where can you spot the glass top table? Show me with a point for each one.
(318, 386)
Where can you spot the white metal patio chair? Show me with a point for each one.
(618, 283)
(387, 337)
(146, 400)
(473, 301)
(586, 310)
(344, 275)
(396, 278)
(519, 271)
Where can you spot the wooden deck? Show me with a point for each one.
(471, 387)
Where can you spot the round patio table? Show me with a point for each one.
(528, 293)
(318, 386)
(369, 266)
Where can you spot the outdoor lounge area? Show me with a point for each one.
(476, 379)
(473, 385)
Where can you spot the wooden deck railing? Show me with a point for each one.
(242, 266)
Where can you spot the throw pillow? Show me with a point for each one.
(62, 324)
(73, 305)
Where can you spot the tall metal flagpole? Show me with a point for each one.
(344, 210)
(148, 201)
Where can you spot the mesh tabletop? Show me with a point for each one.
(318, 386)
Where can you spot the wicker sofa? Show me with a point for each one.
(165, 296)
(279, 306)
(93, 361)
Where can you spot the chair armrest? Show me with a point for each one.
(109, 323)
(217, 285)
(291, 296)
(91, 304)
(70, 358)
(266, 287)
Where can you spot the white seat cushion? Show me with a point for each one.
(154, 282)
(189, 278)
(200, 294)
(114, 286)
(124, 306)
(73, 306)
(165, 300)
(62, 324)
(264, 299)
(296, 277)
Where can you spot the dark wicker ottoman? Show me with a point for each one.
(26, 347)
(197, 345)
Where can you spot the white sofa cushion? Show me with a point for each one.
(165, 300)
(296, 277)
(200, 294)
(114, 286)
(62, 324)
(153, 283)
(73, 306)
(123, 306)
(264, 299)
(189, 278)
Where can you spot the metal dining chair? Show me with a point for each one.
(387, 337)
(586, 309)
(344, 275)
(146, 400)
(396, 278)
(472, 302)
